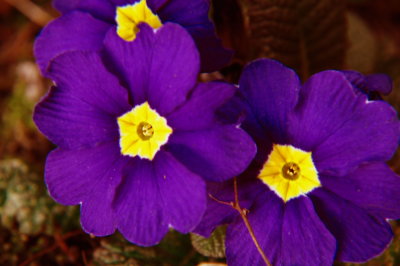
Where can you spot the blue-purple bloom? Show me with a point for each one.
(106, 160)
(318, 188)
(84, 24)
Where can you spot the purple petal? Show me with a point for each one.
(290, 234)
(101, 9)
(374, 187)
(97, 216)
(159, 73)
(213, 56)
(293, 227)
(182, 192)
(266, 219)
(218, 213)
(199, 111)
(84, 75)
(305, 239)
(71, 176)
(371, 133)
(216, 154)
(138, 205)
(327, 100)
(357, 80)
(271, 90)
(65, 6)
(194, 16)
(379, 82)
(215, 215)
(359, 235)
(186, 13)
(153, 4)
(83, 109)
(73, 31)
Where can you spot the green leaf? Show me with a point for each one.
(307, 35)
(214, 246)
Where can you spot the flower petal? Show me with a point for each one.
(326, 101)
(182, 192)
(82, 110)
(101, 9)
(359, 235)
(65, 6)
(374, 187)
(305, 239)
(138, 205)
(213, 56)
(290, 234)
(97, 216)
(271, 90)
(159, 73)
(379, 82)
(71, 176)
(371, 133)
(153, 4)
(216, 154)
(73, 31)
(368, 84)
(218, 213)
(199, 111)
(266, 219)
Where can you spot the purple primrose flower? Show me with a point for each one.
(318, 188)
(84, 24)
(137, 135)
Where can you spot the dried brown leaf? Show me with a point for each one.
(307, 35)
(214, 246)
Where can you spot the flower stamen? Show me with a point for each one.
(145, 130)
(291, 171)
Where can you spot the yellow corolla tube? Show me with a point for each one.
(290, 172)
(128, 18)
(142, 132)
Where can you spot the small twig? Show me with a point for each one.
(85, 262)
(230, 204)
(50, 249)
(243, 213)
(31, 11)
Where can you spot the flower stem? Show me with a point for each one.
(243, 213)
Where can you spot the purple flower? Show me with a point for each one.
(137, 135)
(318, 188)
(84, 24)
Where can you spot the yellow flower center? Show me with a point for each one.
(289, 172)
(142, 132)
(130, 16)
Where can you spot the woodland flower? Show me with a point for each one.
(137, 135)
(84, 24)
(318, 188)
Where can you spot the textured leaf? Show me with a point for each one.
(307, 35)
(214, 246)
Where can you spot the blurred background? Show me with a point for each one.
(307, 35)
